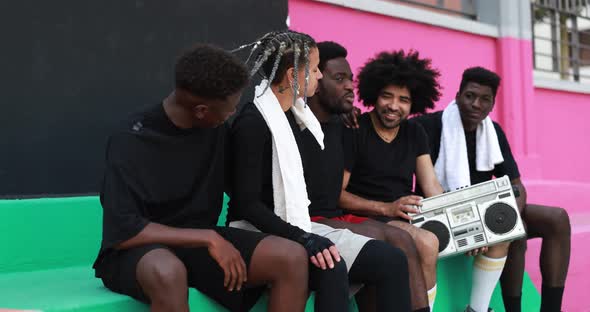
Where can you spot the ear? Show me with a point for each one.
(457, 96)
(289, 75)
(200, 111)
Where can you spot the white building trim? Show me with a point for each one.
(419, 15)
(560, 85)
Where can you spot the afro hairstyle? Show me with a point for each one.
(401, 69)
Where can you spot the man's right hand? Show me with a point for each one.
(230, 260)
(402, 206)
(322, 251)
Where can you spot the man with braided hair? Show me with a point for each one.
(162, 194)
(269, 191)
(387, 151)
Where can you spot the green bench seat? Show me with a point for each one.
(48, 246)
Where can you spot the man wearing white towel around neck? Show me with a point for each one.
(464, 133)
(388, 150)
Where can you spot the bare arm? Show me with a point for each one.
(357, 204)
(426, 177)
(155, 233)
(223, 252)
(520, 200)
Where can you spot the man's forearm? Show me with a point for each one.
(521, 199)
(155, 233)
(357, 204)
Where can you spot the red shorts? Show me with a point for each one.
(350, 218)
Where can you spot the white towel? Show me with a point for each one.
(452, 165)
(289, 190)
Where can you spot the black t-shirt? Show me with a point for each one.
(323, 169)
(157, 172)
(251, 173)
(432, 123)
(379, 170)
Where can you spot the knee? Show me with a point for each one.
(394, 257)
(404, 241)
(336, 275)
(162, 275)
(427, 245)
(392, 263)
(292, 259)
(560, 224)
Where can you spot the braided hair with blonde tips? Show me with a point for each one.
(276, 52)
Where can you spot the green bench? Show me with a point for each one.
(48, 246)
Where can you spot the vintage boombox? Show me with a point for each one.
(471, 217)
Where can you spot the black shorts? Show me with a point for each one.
(117, 269)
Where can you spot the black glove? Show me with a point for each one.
(313, 243)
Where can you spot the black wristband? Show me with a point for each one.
(314, 243)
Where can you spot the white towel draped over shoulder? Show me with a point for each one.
(291, 201)
(452, 164)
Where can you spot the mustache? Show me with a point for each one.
(387, 111)
(348, 94)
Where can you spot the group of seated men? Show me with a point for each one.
(319, 195)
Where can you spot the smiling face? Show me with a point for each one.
(393, 106)
(475, 103)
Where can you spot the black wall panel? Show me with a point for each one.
(72, 69)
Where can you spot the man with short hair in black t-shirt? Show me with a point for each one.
(162, 194)
(475, 100)
(323, 168)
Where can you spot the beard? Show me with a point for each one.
(387, 122)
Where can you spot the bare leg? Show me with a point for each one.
(499, 250)
(162, 277)
(553, 226)
(284, 265)
(397, 238)
(427, 245)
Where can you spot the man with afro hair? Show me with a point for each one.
(162, 194)
(387, 151)
(384, 153)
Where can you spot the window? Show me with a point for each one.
(561, 39)
(461, 8)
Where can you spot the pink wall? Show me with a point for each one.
(546, 128)
(364, 34)
(562, 172)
